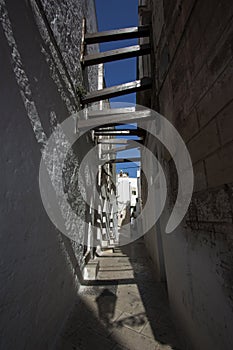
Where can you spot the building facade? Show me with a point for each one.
(191, 68)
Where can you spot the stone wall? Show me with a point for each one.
(40, 77)
(192, 69)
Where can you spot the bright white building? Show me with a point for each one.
(127, 192)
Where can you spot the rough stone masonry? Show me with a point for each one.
(192, 68)
(40, 76)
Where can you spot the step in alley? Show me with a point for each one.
(124, 309)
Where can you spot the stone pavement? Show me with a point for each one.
(125, 309)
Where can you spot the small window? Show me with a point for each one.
(134, 193)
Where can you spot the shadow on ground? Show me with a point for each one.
(133, 314)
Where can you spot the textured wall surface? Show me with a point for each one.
(38, 87)
(193, 84)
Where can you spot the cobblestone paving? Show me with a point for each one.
(127, 309)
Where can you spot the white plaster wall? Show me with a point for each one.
(38, 280)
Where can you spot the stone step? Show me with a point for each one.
(90, 270)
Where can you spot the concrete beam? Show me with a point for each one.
(118, 54)
(123, 160)
(126, 118)
(119, 141)
(120, 132)
(118, 90)
(117, 34)
(119, 149)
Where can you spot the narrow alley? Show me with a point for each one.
(125, 308)
(116, 196)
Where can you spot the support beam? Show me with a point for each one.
(117, 34)
(119, 141)
(110, 112)
(120, 132)
(118, 54)
(115, 150)
(115, 119)
(123, 160)
(118, 90)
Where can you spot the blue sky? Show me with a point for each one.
(114, 14)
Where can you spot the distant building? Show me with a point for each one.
(127, 192)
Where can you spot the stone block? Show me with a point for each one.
(164, 62)
(215, 30)
(90, 270)
(206, 142)
(217, 97)
(179, 69)
(158, 17)
(210, 206)
(220, 50)
(187, 125)
(166, 99)
(200, 182)
(197, 89)
(176, 24)
(225, 124)
(219, 167)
